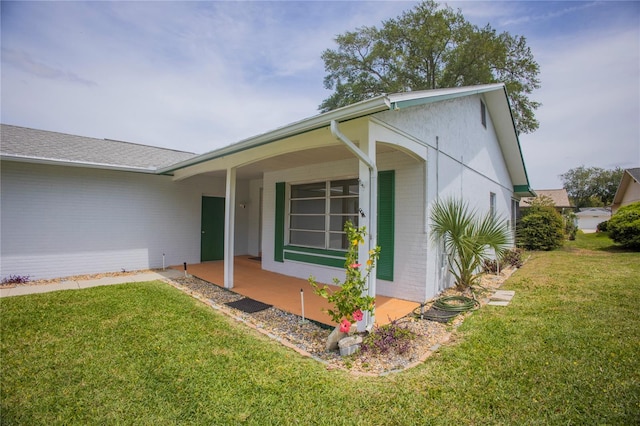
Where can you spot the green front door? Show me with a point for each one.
(212, 236)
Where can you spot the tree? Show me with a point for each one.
(591, 186)
(430, 47)
(467, 238)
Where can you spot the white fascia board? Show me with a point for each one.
(71, 163)
(408, 99)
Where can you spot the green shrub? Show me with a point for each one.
(541, 228)
(624, 226)
(603, 226)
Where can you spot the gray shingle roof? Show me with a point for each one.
(40, 145)
(635, 173)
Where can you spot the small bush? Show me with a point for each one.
(541, 228)
(387, 338)
(624, 226)
(570, 225)
(16, 279)
(603, 226)
(512, 257)
(490, 266)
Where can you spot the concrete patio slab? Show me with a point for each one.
(501, 298)
(497, 303)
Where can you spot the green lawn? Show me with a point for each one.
(565, 351)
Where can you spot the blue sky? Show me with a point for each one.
(196, 76)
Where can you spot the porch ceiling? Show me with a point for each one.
(306, 157)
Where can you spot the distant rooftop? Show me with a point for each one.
(559, 196)
(634, 173)
(32, 145)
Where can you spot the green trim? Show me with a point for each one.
(317, 260)
(386, 224)
(311, 250)
(523, 190)
(278, 249)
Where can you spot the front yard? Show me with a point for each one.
(565, 351)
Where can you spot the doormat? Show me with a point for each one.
(248, 305)
(256, 258)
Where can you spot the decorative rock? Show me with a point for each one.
(333, 339)
(349, 345)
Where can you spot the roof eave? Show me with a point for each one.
(524, 191)
(71, 163)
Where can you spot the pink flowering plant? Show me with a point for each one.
(350, 301)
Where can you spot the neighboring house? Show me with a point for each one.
(284, 195)
(559, 197)
(629, 189)
(590, 217)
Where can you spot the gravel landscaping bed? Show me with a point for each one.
(310, 338)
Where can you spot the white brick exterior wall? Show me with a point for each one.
(61, 221)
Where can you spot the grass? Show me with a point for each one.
(565, 351)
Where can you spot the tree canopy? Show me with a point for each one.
(430, 47)
(591, 186)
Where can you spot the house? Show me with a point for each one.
(559, 197)
(590, 217)
(283, 195)
(629, 189)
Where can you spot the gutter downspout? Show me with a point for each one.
(373, 206)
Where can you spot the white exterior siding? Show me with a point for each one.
(61, 221)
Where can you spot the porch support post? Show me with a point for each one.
(229, 229)
(368, 204)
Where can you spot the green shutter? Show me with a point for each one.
(386, 216)
(278, 249)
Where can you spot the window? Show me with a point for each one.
(318, 212)
(483, 114)
(492, 204)
(515, 214)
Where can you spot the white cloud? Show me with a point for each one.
(200, 75)
(24, 62)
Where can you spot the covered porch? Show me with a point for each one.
(283, 292)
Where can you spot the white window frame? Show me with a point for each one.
(492, 204)
(483, 114)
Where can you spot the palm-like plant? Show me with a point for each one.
(467, 238)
